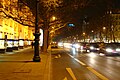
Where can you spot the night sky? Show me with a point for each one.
(77, 11)
(95, 9)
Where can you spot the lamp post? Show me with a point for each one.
(53, 18)
(92, 35)
(36, 57)
(84, 35)
(105, 34)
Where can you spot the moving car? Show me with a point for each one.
(111, 49)
(85, 47)
(94, 47)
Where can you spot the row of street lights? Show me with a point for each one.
(87, 38)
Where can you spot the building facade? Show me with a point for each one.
(13, 35)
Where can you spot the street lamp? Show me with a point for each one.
(36, 57)
(84, 35)
(92, 31)
(105, 33)
(104, 28)
(53, 18)
(92, 35)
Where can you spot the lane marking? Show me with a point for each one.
(65, 78)
(58, 56)
(70, 55)
(97, 73)
(90, 69)
(71, 73)
(77, 60)
(80, 62)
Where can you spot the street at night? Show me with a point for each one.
(59, 39)
(84, 66)
(64, 64)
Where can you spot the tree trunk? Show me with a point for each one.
(45, 40)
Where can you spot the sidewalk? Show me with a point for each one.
(20, 66)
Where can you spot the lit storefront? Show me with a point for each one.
(2, 40)
(14, 36)
(15, 41)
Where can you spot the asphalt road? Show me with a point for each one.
(72, 65)
(67, 65)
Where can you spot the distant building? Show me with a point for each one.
(116, 24)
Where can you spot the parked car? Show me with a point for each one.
(111, 49)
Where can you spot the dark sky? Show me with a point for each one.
(96, 8)
(117, 4)
(90, 9)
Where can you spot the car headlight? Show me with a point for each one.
(118, 49)
(91, 47)
(98, 49)
(76, 45)
(81, 47)
(109, 50)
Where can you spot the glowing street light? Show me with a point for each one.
(53, 18)
(92, 31)
(104, 28)
(84, 33)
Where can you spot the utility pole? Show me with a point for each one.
(36, 57)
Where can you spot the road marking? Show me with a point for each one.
(77, 60)
(97, 73)
(71, 73)
(89, 68)
(70, 55)
(65, 78)
(80, 62)
(58, 56)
